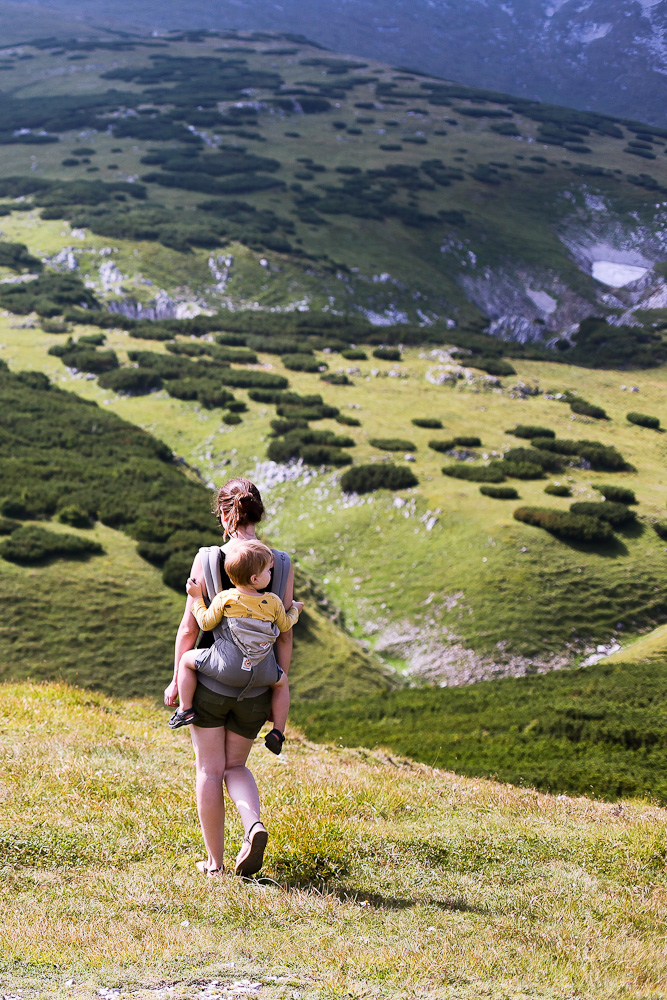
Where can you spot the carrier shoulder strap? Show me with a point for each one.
(281, 568)
(210, 557)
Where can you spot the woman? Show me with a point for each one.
(224, 734)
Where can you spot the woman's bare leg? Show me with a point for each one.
(187, 680)
(239, 780)
(209, 745)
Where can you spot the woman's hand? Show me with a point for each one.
(171, 694)
(193, 588)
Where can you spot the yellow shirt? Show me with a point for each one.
(233, 604)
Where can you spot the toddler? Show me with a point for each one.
(248, 565)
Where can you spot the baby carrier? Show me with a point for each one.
(241, 662)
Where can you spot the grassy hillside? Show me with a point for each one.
(599, 730)
(383, 877)
(478, 578)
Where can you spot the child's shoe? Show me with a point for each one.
(186, 718)
(274, 741)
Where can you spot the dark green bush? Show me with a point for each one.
(467, 441)
(231, 418)
(282, 427)
(601, 457)
(475, 473)
(660, 528)
(493, 366)
(131, 381)
(616, 514)
(387, 354)
(8, 525)
(442, 446)
(31, 545)
(315, 454)
(249, 379)
(75, 516)
(558, 490)
(585, 409)
(429, 422)
(527, 431)
(60, 326)
(302, 363)
(563, 524)
(644, 420)
(499, 492)
(336, 378)
(545, 459)
(393, 444)
(368, 478)
(16, 257)
(343, 418)
(354, 354)
(519, 470)
(616, 494)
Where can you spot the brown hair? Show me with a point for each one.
(245, 559)
(240, 504)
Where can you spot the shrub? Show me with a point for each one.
(558, 490)
(282, 427)
(643, 420)
(231, 418)
(493, 366)
(8, 525)
(302, 363)
(387, 354)
(660, 528)
(545, 459)
(131, 381)
(74, 516)
(317, 411)
(430, 422)
(499, 492)
(615, 514)
(617, 494)
(585, 409)
(393, 444)
(368, 478)
(315, 454)
(600, 457)
(562, 524)
(248, 379)
(343, 418)
(59, 326)
(475, 473)
(32, 544)
(467, 442)
(441, 446)
(354, 354)
(336, 378)
(527, 431)
(212, 397)
(520, 470)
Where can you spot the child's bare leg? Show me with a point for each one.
(279, 709)
(280, 703)
(187, 680)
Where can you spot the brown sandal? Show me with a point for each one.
(250, 858)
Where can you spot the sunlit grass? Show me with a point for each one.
(381, 877)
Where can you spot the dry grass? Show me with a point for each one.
(383, 878)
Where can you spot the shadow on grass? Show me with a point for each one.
(455, 904)
(609, 550)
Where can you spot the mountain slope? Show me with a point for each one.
(604, 55)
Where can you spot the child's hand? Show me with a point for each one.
(193, 588)
(298, 605)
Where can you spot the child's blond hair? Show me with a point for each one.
(245, 559)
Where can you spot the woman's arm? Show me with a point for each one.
(186, 636)
(285, 641)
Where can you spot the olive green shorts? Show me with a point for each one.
(245, 717)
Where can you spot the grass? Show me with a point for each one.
(598, 730)
(383, 877)
(486, 578)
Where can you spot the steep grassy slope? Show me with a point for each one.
(478, 592)
(394, 194)
(383, 877)
(599, 730)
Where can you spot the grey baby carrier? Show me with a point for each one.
(241, 662)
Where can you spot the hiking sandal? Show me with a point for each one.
(274, 741)
(186, 718)
(204, 869)
(250, 858)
